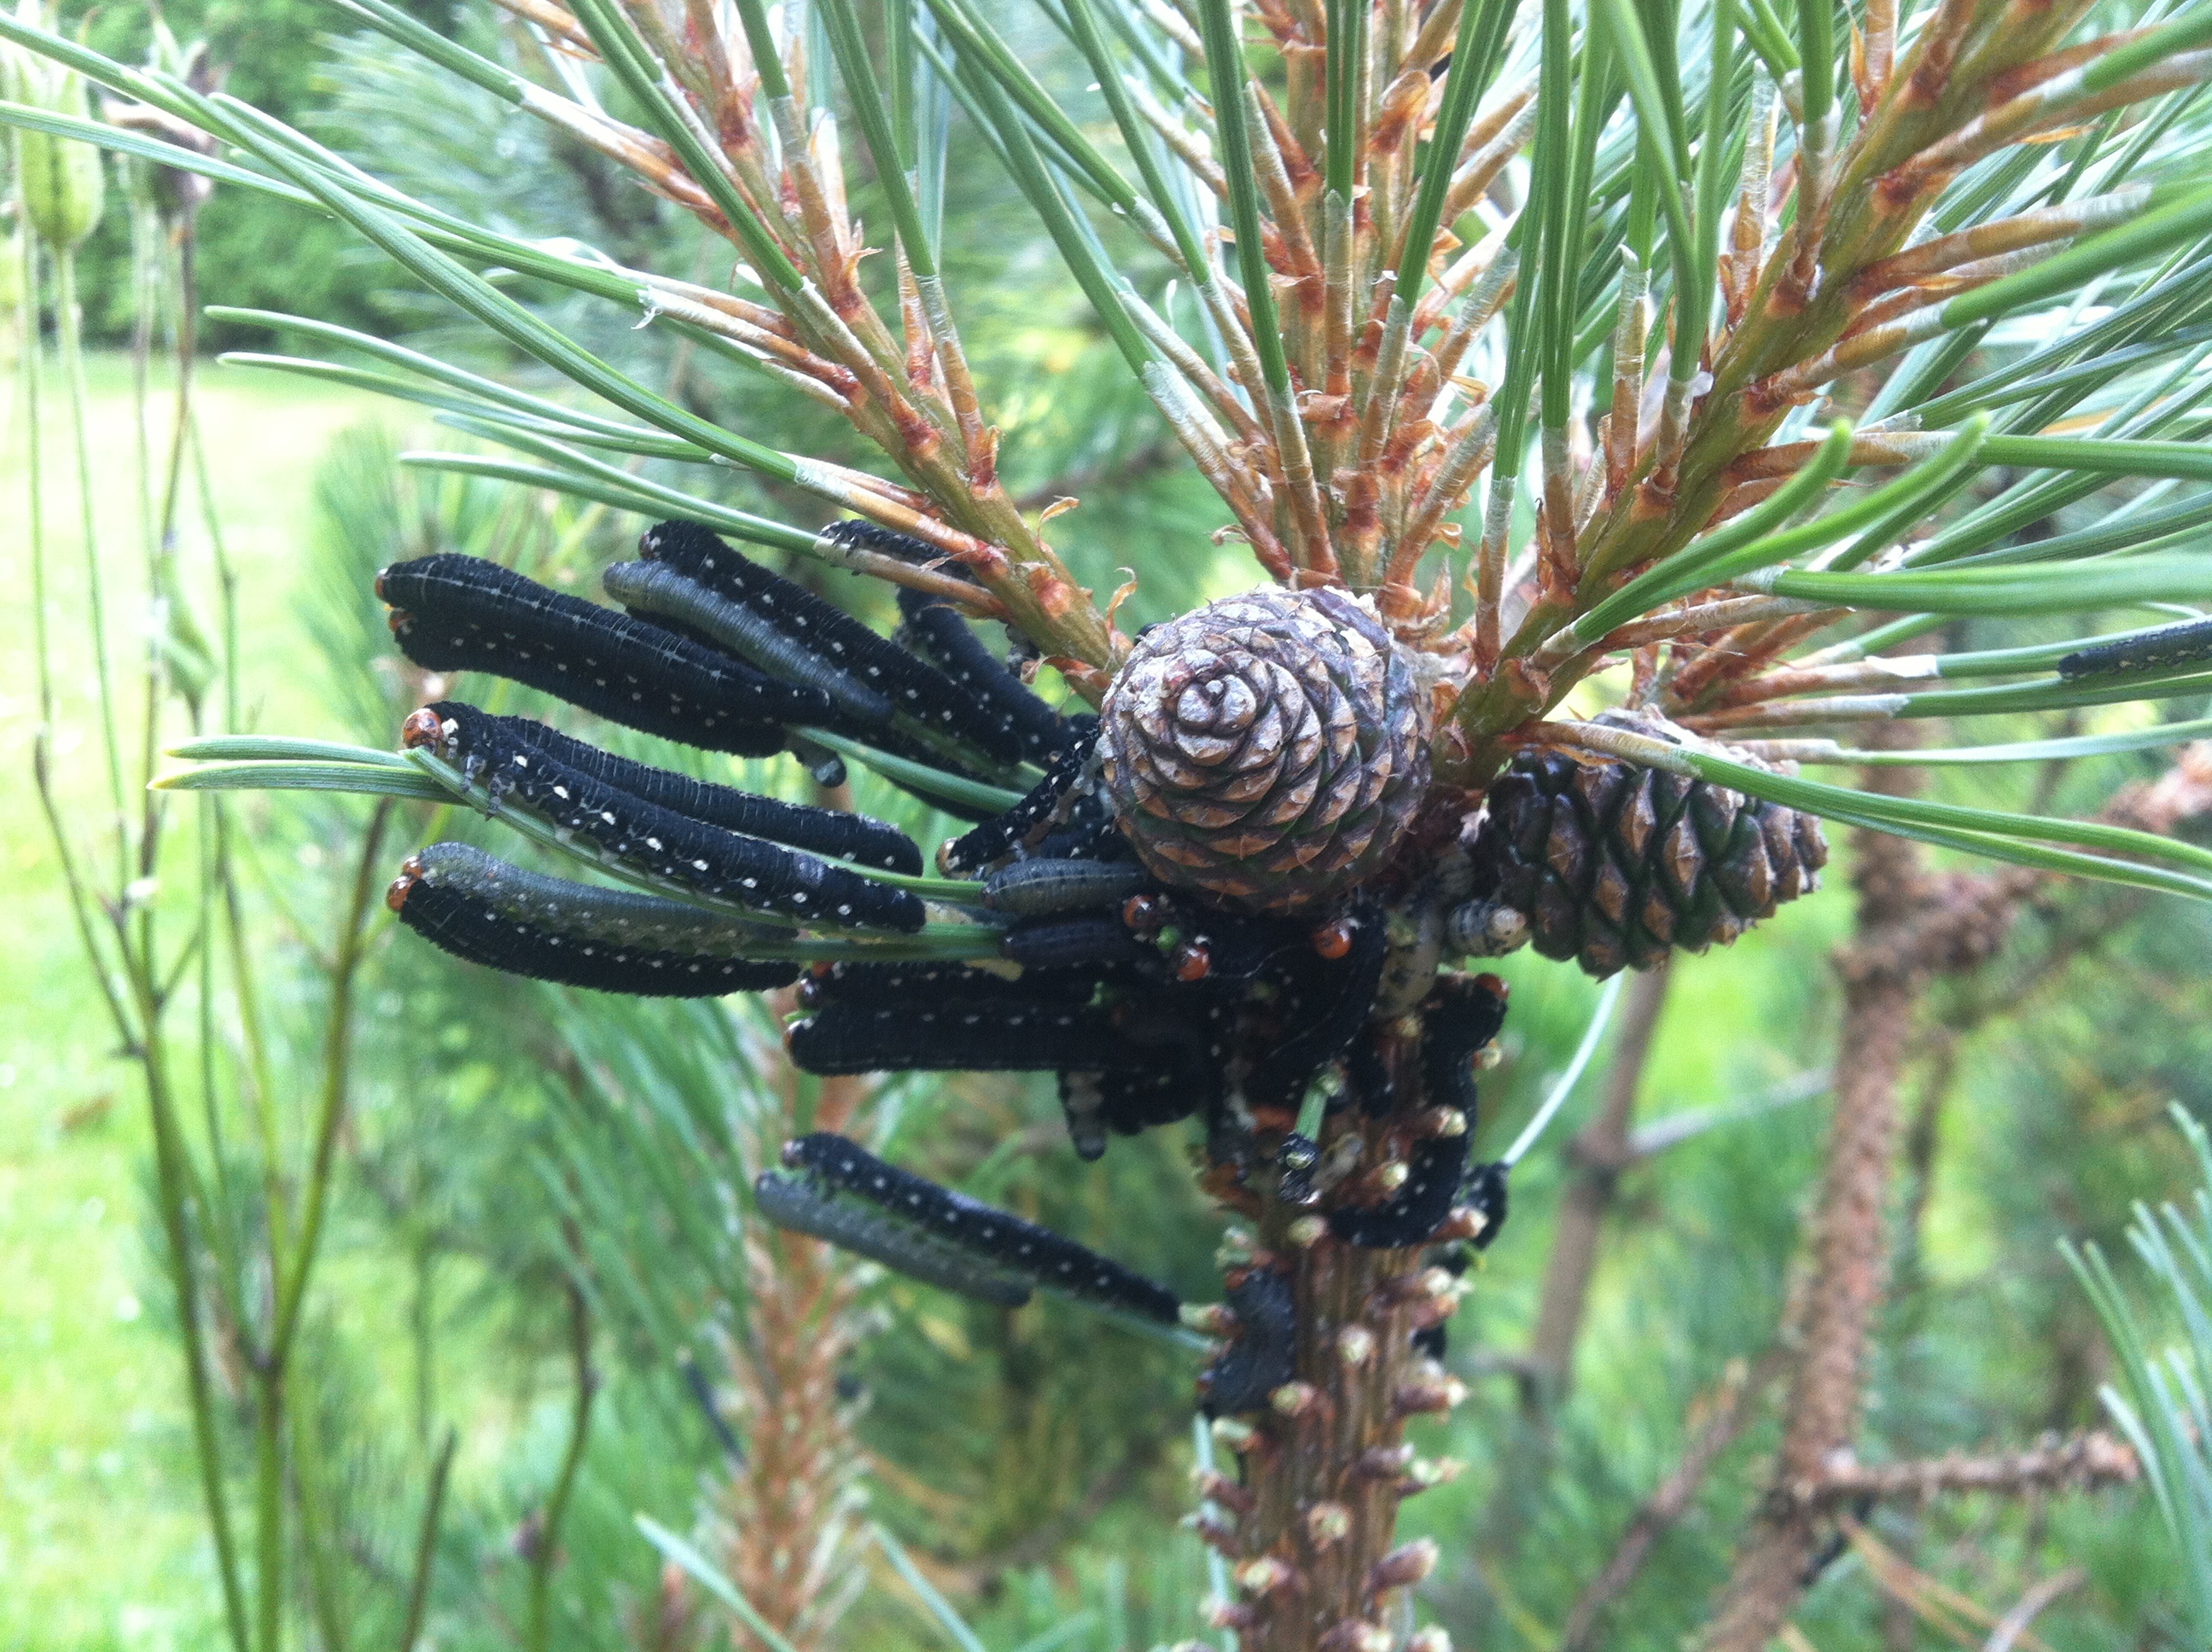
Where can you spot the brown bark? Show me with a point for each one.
(1310, 1530)
(780, 1520)
(1882, 972)
(2081, 1461)
(1599, 1154)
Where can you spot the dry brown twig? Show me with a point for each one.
(2086, 1462)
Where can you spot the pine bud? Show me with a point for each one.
(1265, 1576)
(1425, 1283)
(1296, 1400)
(1431, 1123)
(1382, 1462)
(1328, 1524)
(1355, 1346)
(1208, 1319)
(1231, 1614)
(1403, 1567)
(1427, 1395)
(1215, 1487)
(1233, 1435)
(1424, 1472)
(1307, 1231)
(1355, 1635)
(1465, 1221)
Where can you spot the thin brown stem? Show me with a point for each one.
(1599, 1156)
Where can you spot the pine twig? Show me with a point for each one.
(782, 1516)
(2089, 1461)
(1599, 1154)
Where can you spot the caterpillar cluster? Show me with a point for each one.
(751, 871)
(1460, 1016)
(720, 652)
(834, 1168)
(1148, 1007)
(831, 832)
(1052, 803)
(932, 626)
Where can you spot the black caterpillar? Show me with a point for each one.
(1001, 837)
(984, 1034)
(1463, 1014)
(484, 911)
(464, 613)
(747, 871)
(663, 594)
(1323, 1014)
(2188, 643)
(1260, 1357)
(829, 832)
(883, 985)
(935, 628)
(1030, 889)
(802, 1204)
(836, 639)
(1006, 1240)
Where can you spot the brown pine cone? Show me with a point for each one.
(1615, 865)
(1269, 749)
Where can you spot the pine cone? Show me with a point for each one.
(1615, 865)
(1269, 749)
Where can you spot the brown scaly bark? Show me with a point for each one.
(780, 1521)
(1309, 1529)
(2082, 1461)
(1908, 925)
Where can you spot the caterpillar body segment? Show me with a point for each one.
(936, 629)
(658, 590)
(995, 1034)
(803, 1204)
(829, 832)
(906, 684)
(1261, 1357)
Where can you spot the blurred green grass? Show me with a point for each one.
(100, 1537)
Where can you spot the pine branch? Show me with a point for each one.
(1912, 927)
(2087, 1461)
